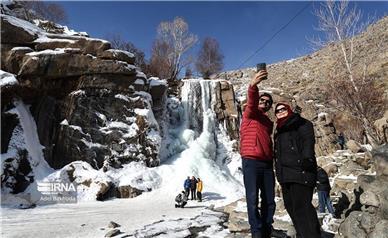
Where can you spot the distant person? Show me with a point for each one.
(296, 169)
(257, 158)
(341, 140)
(187, 185)
(193, 188)
(181, 200)
(199, 189)
(323, 188)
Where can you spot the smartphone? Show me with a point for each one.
(261, 66)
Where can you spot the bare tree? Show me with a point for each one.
(45, 10)
(350, 84)
(118, 42)
(210, 58)
(179, 40)
(161, 63)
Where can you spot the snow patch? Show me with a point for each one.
(78, 93)
(7, 79)
(122, 97)
(27, 26)
(45, 39)
(139, 82)
(57, 51)
(136, 175)
(154, 81)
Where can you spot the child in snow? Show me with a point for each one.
(323, 187)
(181, 200)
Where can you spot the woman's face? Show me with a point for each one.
(281, 111)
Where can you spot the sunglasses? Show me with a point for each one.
(264, 101)
(283, 109)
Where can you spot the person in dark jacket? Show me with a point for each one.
(193, 188)
(181, 200)
(296, 169)
(257, 159)
(187, 186)
(341, 140)
(323, 188)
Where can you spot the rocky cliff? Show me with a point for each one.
(88, 101)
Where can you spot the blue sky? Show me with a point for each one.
(240, 27)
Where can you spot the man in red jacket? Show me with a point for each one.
(257, 159)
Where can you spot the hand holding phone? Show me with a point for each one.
(261, 66)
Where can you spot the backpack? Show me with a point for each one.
(178, 198)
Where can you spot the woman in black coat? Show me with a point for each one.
(296, 169)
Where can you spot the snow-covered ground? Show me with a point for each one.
(85, 219)
(194, 153)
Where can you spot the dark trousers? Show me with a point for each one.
(187, 191)
(297, 200)
(193, 194)
(199, 196)
(259, 177)
(324, 201)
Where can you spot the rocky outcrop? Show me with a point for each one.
(227, 110)
(369, 218)
(89, 102)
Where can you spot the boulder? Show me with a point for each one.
(331, 169)
(128, 192)
(91, 184)
(113, 224)
(18, 31)
(157, 88)
(57, 64)
(380, 157)
(345, 183)
(114, 54)
(382, 127)
(86, 45)
(369, 198)
(351, 227)
(353, 146)
(14, 58)
(112, 233)
(380, 230)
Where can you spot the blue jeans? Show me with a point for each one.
(259, 177)
(324, 201)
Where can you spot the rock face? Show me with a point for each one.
(89, 102)
(299, 82)
(370, 217)
(226, 109)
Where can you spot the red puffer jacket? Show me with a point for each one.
(255, 130)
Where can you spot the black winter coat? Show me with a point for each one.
(193, 184)
(323, 183)
(294, 152)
